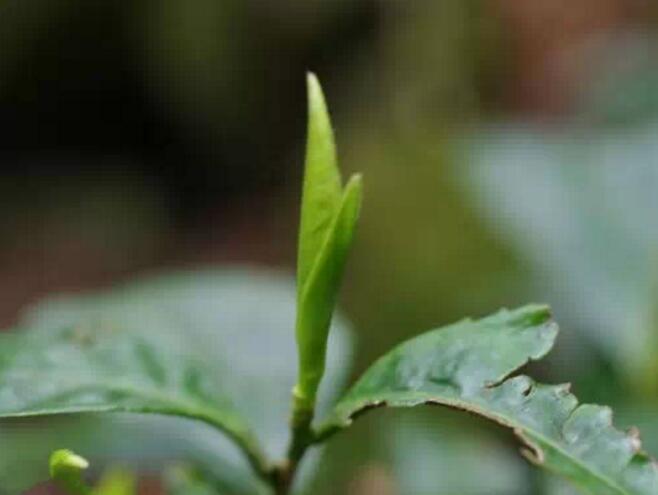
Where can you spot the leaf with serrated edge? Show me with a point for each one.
(467, 365)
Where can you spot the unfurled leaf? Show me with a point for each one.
(328, 220)
(210, 345)
(466, 366)
(109, 363)
(66, 469)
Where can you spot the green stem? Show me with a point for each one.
(282, 478)
(302, 437)
(300, 425)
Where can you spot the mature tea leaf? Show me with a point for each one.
(467, 365)
(101, 364)
(209, 345)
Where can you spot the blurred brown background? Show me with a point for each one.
(147, 133)
(139, 135)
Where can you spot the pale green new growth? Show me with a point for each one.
(328, 220)
(322, 187)
(66, 469)
(153, 347)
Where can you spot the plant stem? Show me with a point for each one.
(302, 437)
(282, 478)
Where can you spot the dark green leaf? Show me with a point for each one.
(102, 365)
(467, 365)
(209, 345)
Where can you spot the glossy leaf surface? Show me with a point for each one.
(466, 366)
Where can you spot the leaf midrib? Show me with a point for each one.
(175, 405)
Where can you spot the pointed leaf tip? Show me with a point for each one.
(314, 91)
(322, 187)
(328, 220)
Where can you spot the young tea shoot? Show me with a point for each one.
(168, 345)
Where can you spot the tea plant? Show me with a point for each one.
(148, 348)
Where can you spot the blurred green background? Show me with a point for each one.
(509, 152)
